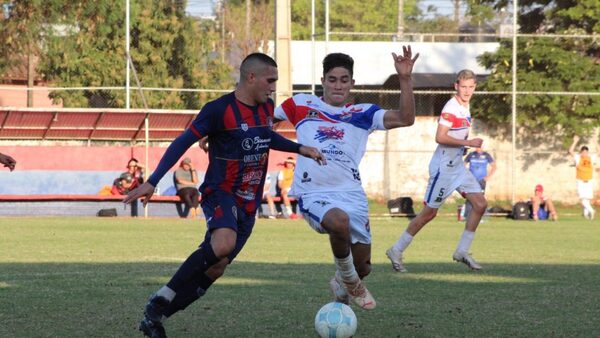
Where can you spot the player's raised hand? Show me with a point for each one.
(314, 153)
(404, 63)
(145, 190)
(8, 161)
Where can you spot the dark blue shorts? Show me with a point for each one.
(221, 211)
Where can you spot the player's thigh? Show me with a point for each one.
(439, 188)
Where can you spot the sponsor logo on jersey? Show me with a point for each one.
(257, 143)
(333, 153)
(253, 176)
(247, 195)
(355, 174)
(270, 121)
(355, 110)
(329, 133)
(305, 178)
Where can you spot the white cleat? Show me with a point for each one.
(339, 292)
(464, 257)
(359, 295)
(396, 259)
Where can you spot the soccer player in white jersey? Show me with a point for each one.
(447, 173)
(331, 198)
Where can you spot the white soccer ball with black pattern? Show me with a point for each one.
(335, 320)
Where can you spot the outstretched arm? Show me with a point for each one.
(572, 147)
(171, 156)
(280, 143)
(8, 161)
(405, 115)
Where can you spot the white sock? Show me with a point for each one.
(166, 292)
(403, 242)
(289, 210)
(346, 268)
(465, 241)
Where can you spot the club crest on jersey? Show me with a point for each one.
(244, 126)
(329, 133)
(312, 114)
(270, 121)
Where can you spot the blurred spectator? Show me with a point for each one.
(122, 186)
(137, 172)
(268, 193)
(186, 181)
(8, 161)
(541, 206)
(584, 164)
(285, 180)
(482, 165)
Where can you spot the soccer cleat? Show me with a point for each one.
(359, 295)
(464, 257)
(339, 292)
(151, 324)
(152, 329)
(396, 259)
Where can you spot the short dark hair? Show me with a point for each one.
(585, 148)
(253, 61)
(334, 60)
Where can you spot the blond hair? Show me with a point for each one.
(465, 74)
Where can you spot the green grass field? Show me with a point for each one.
(90, 277)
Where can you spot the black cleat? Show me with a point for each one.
(152, 329)
(155, 308)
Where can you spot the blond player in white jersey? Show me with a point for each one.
(331, 198)
(448, 173)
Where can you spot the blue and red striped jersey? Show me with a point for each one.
(239, 139)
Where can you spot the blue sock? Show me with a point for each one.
(195, 265)
(192, 292)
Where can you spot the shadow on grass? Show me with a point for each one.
(280, 300)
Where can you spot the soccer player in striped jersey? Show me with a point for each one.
(333, 200)
(239, 128)
(448, 173)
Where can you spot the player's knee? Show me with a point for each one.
(337, 222)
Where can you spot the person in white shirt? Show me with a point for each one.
(448, 173)
(332, 199)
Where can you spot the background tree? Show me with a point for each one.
(168, 48)
(554, 64)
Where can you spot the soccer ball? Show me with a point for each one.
(335, 320)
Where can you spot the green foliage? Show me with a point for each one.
(548, 65)
(83, 44)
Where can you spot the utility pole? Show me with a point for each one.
(457, 11)
(400, 29)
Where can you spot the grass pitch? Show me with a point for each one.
(90, 277)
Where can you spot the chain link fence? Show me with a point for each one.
(186, 71)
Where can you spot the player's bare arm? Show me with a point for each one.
(572, 147)
(8, 161)
(442, 137)
(405, 115)
(314, 153)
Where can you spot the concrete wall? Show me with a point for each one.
(409, 151)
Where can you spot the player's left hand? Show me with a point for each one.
(404, 63)
(314, 153)
(145, 190)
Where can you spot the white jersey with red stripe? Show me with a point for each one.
(340, 133)
(448, 159)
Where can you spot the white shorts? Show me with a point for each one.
(442, 185)
(585, 189)
(314, 206)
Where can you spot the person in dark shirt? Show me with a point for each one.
(482, 166)
(239, 127)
